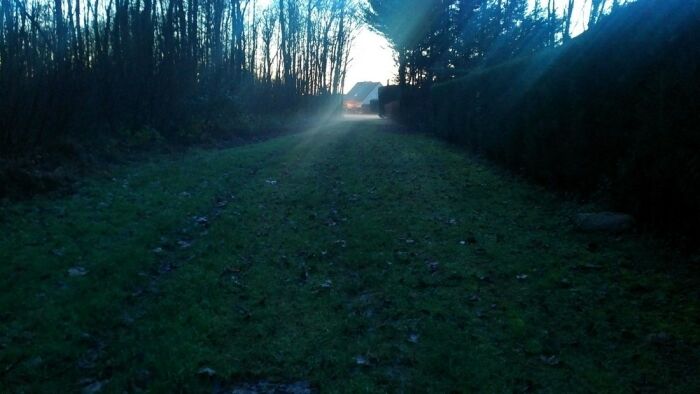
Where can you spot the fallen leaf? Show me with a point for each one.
(94, 387)
(164, 268)
(660, 338)
(35, 362)
(206, 371)
(263, 386)
(550, 360)
(201, 220)
(58, 252)
(77, 271)
(433, 266)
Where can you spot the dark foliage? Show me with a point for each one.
(613, 112)
(437, 40)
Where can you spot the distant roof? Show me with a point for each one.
(361, 90)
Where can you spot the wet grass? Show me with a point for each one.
(348, 258)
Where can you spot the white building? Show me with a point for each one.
(361, 95)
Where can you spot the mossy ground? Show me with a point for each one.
(349, 257)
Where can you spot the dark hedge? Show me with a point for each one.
(614, 112)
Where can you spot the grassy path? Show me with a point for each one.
(345, 259)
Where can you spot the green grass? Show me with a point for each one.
(344, 244)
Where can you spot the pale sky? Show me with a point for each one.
(372, 59)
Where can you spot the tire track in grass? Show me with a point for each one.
(175, 249)
(309, 165)
(182, 247)
(264, 212)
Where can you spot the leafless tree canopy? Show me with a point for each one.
(100, 66)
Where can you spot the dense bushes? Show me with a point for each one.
(615, 112)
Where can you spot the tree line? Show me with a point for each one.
(92, 68)
(438, 40)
